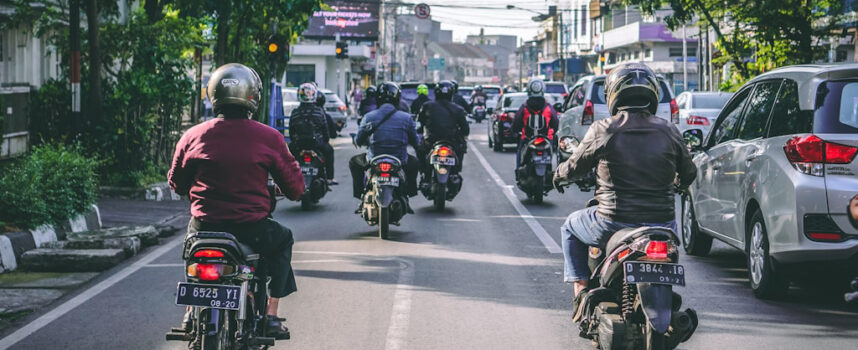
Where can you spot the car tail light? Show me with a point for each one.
(587, 117)
(825, 236)
(809, 154)
(503, 117)
(697, 120)
(385, 167)
(208, 253)
(656, 250)
(674, 111)
(342, 108)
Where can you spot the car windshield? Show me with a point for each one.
(290, 95)
(515, 101)
(598, 94)
(709, 101)
(465, 92)
(836, 108)
(492, 91)
(555, 88)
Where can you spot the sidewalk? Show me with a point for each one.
(22, 293)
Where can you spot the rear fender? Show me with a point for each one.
(442, 178)
(657, 304)
(540, 169)
(385, 195)
(308, 180)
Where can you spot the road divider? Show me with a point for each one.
(525, 215)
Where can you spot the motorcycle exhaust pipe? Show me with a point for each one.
(682, 325)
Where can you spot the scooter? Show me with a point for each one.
(445, 182)
(384, 199)
(479, 113)
(315, 179)
(535, 168)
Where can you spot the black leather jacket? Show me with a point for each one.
(442, 119)
(640, 159)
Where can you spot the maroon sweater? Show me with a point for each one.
(223, 166)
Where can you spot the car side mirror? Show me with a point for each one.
(490, 110)
(693, 139)
(852, 211)
(558, 107)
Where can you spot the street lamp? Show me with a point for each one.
(538, 18)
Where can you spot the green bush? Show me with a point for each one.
(53, 183)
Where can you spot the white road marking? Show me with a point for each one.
(165, 265)
(525, 215)
(84, 296)
(400, 316)
(293, 261)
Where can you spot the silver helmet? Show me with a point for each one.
(235, 84)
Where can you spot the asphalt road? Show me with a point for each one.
(475, 276)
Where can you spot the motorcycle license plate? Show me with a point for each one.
(444, 160)
(387, 181)
(208, 295)
(308, 170)
(647, 272)
(542, 159)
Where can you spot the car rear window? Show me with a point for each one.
(555, 88)
(836, 108)
(598, 93)
(709, 101)
(514, 101)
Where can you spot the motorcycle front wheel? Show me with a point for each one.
(383, 222)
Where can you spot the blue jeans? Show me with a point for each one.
(585, 228)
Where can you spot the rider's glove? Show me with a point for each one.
(558, 185)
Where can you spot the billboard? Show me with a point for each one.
(352, 20)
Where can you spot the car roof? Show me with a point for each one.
(707, 93)
(808, 77)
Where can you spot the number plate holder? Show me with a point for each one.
(216, 296)
(651, 272)
(444, 160)
(386, 181)
(542, 159)
(308, 170)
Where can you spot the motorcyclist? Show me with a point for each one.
(640, 160)
(442, 120)
(368, 103)
(458, 99)
(386, 130)
(223, 166)
(525, 124)
(422, 97)
(333, 131)
(478, 97)
(309, 128)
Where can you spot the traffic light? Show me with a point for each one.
(342, 50)
(277, 49)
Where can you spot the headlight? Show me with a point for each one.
(568, 144)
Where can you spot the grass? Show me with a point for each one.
(18, 277)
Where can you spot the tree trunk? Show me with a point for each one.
(223, 12)
(94, 95)
(154, 10)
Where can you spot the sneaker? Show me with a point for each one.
(332, 182)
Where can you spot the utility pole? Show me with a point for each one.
(74, 61)
(684, 61)
(709, 62)
(562, 46)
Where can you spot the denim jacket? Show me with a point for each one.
(392, 137)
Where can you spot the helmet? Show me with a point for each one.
(235, 84)
(631, 85)
(479, 88)
(455, 86)
(307, 93)
(320, 99)
(389, 92)
(444, 90)
(422, 89)
(371, 91)
(536, 88)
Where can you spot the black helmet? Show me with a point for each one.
(320, 99)
(389, 92)
(455, 86)
(444, 90)
(479, 88)
(235, 84)
(631, 85)
(536, 88)
(371, 91)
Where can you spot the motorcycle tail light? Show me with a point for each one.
(307, 158)
(209, 272)
(589, 113)
(208, 253)
(443, 151)
(623, 254)
(656, 250)
(539, 153)
(539, 141)
(385, 167)
(384, 174)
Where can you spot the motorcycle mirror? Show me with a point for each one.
(852, 211)
(693, 139)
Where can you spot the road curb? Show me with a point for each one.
(14, 244)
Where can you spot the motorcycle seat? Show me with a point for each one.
(627, 235)
(222, 240)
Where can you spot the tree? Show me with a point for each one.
(759, 35)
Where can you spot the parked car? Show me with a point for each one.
(698, 110)
(290, 100)
(336, 108)
(502, 114)
(587, 105)
(775, 173)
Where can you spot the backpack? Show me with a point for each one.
(304, 130)
(539, 126)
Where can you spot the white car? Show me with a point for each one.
(587, 105)
(290, 100)
(698, 110)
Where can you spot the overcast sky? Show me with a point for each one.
(467, 17)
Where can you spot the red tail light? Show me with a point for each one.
(385, 167)
(342, 108)
(674, 112)
(539, 153)
(504, 117)
(209, 272)
(697, 120)
(538, 141)
(831, 237)
(307, 158)
(208, 253)
(443, 151)
(808, 154)
(587, 117)
(656, 250)
(384, 174)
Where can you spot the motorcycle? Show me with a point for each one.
(445, 182)
(225, 287)
(384, 199)
(479, 113)
(535, 169)
(315, 179)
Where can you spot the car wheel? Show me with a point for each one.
(765, 280)
(491, 143)
(693, 241)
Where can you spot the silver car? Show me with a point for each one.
(586, 104)
(777, 172)
(698, 110)
(336, 108)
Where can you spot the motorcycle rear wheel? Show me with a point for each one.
(384, 223)
(440, 199)
(222, 339)
(655, 340)
(306, 202)
(536, 197)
